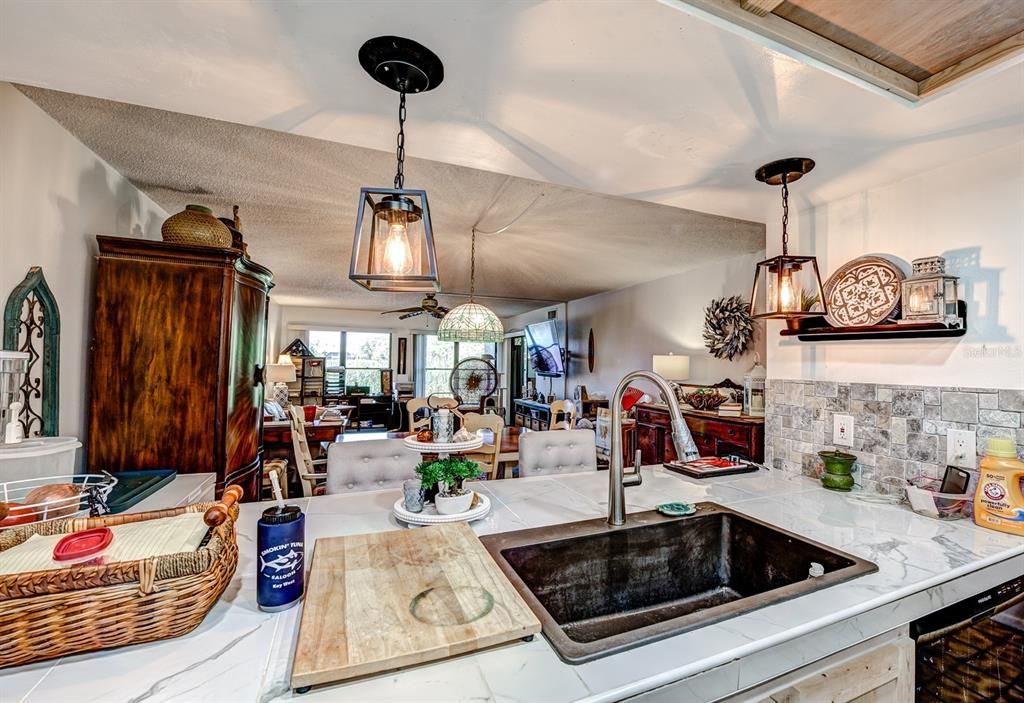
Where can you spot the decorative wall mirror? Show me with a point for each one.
(32, 325)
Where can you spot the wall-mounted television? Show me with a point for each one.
(544, 348)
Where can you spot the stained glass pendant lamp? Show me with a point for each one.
(788, 286)
(393, 249)
(471, 322)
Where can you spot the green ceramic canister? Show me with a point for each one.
(838, 467)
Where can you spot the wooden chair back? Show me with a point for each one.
(304, 462)
(567, 409)
(487, 455)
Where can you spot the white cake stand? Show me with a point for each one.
(443, 449)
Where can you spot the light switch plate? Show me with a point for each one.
(842, 430)
(961, 448)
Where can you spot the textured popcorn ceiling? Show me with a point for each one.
(298, 200)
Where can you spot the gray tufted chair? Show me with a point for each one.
(557, 452)
(369, 465)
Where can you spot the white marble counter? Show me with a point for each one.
(183, 490)
(242, 654)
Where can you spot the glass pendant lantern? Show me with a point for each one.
(787, 286)
(393, 248)
(471, 322)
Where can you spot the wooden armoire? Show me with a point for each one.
(177, 361)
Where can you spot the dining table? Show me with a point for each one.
(508, 451)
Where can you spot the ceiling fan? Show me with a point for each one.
(428, 305)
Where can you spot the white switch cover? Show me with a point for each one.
(842, 430)
(961, 448)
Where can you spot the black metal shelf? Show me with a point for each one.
(821, 331)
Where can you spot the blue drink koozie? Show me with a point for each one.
(280, 550)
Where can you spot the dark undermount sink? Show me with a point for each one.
(599, 589)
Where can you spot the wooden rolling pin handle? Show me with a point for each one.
(218, 513)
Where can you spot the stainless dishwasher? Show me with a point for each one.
(973, 651)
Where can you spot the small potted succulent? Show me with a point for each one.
(443, 481)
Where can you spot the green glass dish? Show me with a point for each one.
(837, 482)
(677, 509)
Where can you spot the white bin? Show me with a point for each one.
(38, 457)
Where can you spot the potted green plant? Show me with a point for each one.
(445, 478)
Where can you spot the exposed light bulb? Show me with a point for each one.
(397, 252)
(787, 294)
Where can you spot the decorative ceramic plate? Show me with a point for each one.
(430, 516)
(443, 447)
(863, 292)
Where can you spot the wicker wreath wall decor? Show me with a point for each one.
(728, 328)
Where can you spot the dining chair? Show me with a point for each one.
(370, 465)
(487, 455)
(274, 466)
(305, 464)
(423, 423)
(413, 406)
(567, 409)
(557, 452)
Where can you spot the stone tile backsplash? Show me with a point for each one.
(898, 430)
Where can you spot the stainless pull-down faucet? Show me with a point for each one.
(686, 449)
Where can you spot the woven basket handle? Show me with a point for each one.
(220, 512)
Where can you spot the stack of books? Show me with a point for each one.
(730, 409)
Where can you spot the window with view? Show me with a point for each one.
(435, 360)
(362, 354)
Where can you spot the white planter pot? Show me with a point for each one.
(453, 505)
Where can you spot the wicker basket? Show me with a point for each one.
(47, 614)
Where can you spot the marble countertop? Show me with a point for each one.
(183, 490)
(242, 654)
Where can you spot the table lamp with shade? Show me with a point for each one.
(281, 375)
(671, 367)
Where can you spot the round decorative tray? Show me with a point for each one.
(863, 292)
(430, 516)
(443, 447)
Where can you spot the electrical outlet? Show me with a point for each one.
(842, 430)
(961, 448)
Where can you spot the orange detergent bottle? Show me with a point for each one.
(998, 500)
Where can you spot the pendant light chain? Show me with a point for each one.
(400, 151)
(472, 266)
(785, 216)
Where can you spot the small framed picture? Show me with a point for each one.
(402, 347)
(385, 381)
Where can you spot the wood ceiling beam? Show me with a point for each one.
(759, 7)
(1010, 49)
(800, 44)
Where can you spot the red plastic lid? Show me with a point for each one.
(80, 545)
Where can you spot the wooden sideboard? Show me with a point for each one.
(714, 435)
(177, 358)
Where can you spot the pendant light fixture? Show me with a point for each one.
(393, 249)
(471, 322)
(786, 287)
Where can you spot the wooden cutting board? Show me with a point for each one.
(380, 601)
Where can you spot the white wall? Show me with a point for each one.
(291, 320)
(971, 212)
(55, 196)
(666, 315)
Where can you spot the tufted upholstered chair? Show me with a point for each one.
(370, 465)
(557, 452)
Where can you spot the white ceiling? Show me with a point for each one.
(298, 197)
(626, 97)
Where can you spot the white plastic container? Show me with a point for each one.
(38, 457)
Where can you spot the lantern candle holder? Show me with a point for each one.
(930, 294)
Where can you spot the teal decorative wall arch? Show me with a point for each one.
(32, 325)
